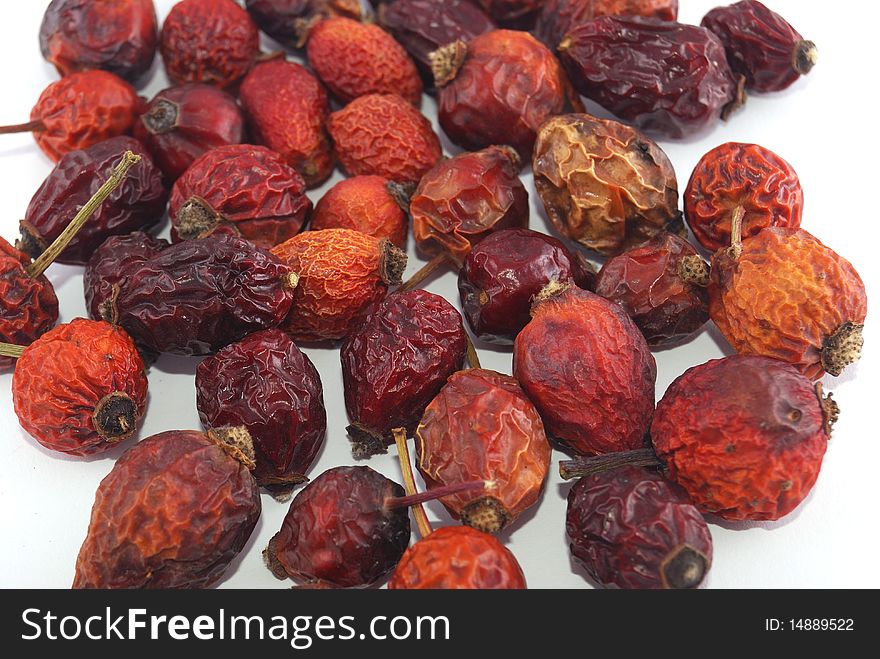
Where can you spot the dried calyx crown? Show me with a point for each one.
(236, 442)
(446, 62)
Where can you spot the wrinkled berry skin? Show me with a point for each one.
(210, 41)
(507, 86)
(288, 21)
(342, 272)
(458, 558)
(119, 36)
(29, 307)
(287, 111)
(248, 187)
(182, 123)
(633, 529)
(83, 109)
(370, 204)
(80, 388)
(138, 204)
(463, 199)
(741, 175)
(481, 426)
(515, 13)
(339, 531)
(266, 384)
(744, 435)
(395, 362)
(604, 184)
(664, 295)
(557, 17)
(788, 296)
(589, 371)
(174, 512)
(196, 297)
(383, 135)
(355, 59)
(502, 275)
(761, 45)
(666, 78)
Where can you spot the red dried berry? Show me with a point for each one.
(503, 274)
(516, 13)
(370, 204)
(589, 371)
(395, 362)
(736, 175)
(80, 388)
(287, 111)
(557, 17)
(761, 45)
(383, 135)
(289, 21)
(631, 528)
(356, 59)
(458, 558)
(265, 384)
(211, 41)
(248, 187)
(182, 123)
(174, 512)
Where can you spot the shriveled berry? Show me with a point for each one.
(631, 528)
(211, 41)
(383, 135)
(80, 388)
(182, 123)
(516, 13)
(604, 184)
(248, 187)
(356, 59)
(503, 274)
(287, 110)
(458, 558)
(557, 17)
(370, 204)
(589, 371)
(119, 36)
(289, 21)
(395, 362)
(481, 426)
(342, 272)
(737, 175)
(174, 512)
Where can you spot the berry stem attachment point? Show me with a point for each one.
(736, 225)
(409, 482)
(11, 350)
(584, 466)
(34, 126)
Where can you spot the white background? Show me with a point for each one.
(824, 125)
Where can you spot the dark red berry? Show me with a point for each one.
(289, 21)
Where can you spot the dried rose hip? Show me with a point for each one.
(370, 204)
(503, 274)
(267, 385)
(783, 294)
(481, 427)
(395, 362)
(196, 297)
(174, 512)
(80, 388)
(211, 41)
(383, 135)
(662, 286)
(120, 36)
(355, 59)
(761, 45)
(181, 123)
(558, 17)
(458, 558)
(631, 528)
(245, 186)
(342, 272)
(79, 111)
(498, 89)
(604, 184)
(289, 21)
(588, 369)
(287, 111)
(516, 13)
(665, 77)
(138, 204)
(737, 175)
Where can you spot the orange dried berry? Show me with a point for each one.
(355, 59)
(383, 135)
(341, 273)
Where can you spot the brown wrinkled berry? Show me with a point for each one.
(370, 204)
(289, 21)
(515, 13)
(557, 17)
